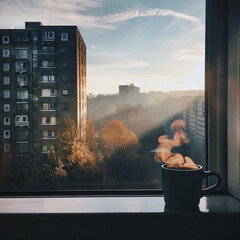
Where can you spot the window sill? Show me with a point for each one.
(116, 218)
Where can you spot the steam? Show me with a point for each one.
(164, 153)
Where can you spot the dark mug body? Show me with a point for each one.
(182, 188)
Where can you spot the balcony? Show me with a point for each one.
(22, 123)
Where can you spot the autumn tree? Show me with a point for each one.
(72, 160)
(115, 135)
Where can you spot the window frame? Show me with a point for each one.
(6, 80)
(6, 93)
(6, 67)
(6, 53)
(216, 77)
(6, 107)
(5, 39)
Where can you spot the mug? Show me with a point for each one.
(182, 187)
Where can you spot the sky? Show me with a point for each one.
(157, 45)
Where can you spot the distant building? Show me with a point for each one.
(129, 93)
(42, 79)
(195, 119)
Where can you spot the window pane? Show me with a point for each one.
(21, 53)
(99, 107)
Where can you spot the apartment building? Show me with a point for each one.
(42, 79)
(129, 93)
(195, 119)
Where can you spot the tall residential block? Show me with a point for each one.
(129, 93)
(42, 79)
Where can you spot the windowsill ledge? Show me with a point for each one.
(116, 218)
(112, 204)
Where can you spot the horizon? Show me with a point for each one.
(155, 45)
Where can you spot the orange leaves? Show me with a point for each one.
(115, 135)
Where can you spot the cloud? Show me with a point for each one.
(193, 52)
(116, 63)
(71, 12)
(74, 12)
(95, 47)
(127, 15)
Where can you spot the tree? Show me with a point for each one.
(115, 135)
(91, 135)
(73, 160)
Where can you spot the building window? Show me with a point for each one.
(65, 106)
(64, 64)
(22, 134)
(22, 94)
(65, 78)
(64, 37)
(49, 92)
(48, 64)
(25, 38)
(65, 92)
(22, 107)
(6, 53)
(48, 120)
(5, 39)
(48, 78)
(6, 133)
(34, 36)
(17, 38)
(21, 121)
(48, 36)
(47, 49)
(21, 80)
(21, 66)
(35, 49)
(64, 50)
(48, 106)
(6, 93)
(6, 80)
(6, 67)
(6, 107)
(47, 148)
(6, 121)
(22, 147)
(6, 147)
(48, 134)
(21, 53)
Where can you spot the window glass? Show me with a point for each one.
(6, 67)
(6, 93)
(64, 37)
(6, 107)
(21, 66)
(7, 121)
(6, 80)
(65, 92)
(6, 53)
(22, 94)
(21, 53)
(21, 80)
(5, 39)
(96, 104)
(6, 133)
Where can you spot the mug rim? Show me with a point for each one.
(181, 169)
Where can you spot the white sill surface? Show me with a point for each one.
(116, 204)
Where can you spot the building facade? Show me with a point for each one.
(42, 80)
(129, 93)
(195, 120)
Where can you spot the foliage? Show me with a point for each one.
(115, 135)
(73, 160)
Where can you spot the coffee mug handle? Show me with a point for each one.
(208, 189)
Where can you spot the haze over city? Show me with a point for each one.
(156, 45)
